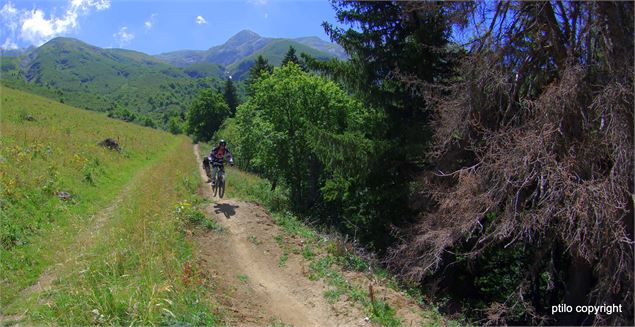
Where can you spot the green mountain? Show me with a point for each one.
(107, 79)
(315, 42)
(274, 52)
(136, 86)
(204, 69)
(240, 51)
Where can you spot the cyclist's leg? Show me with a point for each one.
(206, 167)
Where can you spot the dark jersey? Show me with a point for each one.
(217, 154)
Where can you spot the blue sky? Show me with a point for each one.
(157, 26)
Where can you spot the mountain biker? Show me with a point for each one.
(216, 158)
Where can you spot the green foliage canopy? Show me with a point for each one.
(258, 70)
(231, 95)
(206, 114)
(305, 131)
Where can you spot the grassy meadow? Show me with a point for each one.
(115, 250)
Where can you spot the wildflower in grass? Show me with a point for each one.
(182, 206)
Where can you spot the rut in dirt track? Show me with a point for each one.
(244, 263)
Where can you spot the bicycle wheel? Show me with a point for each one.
(215, 186)
(221, 185)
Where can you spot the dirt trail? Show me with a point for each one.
(51, 273)
(243, 261)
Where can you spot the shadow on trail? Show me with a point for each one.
(226, 209)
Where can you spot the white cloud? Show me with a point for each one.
(200, 20)
(9, 16)
(36, 27)
(98, 4)
(8, 8)
(8, 45)
(258, 2)
(150, 22)
(266, 15)
(123, 37)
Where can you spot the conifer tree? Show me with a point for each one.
(292, 57)
(257, 71)
(231, 96)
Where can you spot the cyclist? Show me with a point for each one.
(216, 158)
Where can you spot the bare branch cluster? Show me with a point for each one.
(538, 130)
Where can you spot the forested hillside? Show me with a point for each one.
(125, 83)
(153, 91)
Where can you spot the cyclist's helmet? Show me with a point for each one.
(222, 142)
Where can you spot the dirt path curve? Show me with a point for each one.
(243, 261)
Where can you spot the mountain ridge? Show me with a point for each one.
(244, 44)
(118, 81)
(108, 80)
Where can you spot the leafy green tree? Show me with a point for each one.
(123, 113)
(175, 126)
(306, 131)
(148, 122)
(206, 114)
(260, 69)
(231, 96)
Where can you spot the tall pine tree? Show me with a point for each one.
(257, 71)
(387, 43)
(292, 57)
(231, 96)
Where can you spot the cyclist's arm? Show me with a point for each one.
(229, 156)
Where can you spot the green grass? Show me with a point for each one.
(135, 266)
(140, 268)
(282, 262)
(307, 252)
(57, 151)
(243, 278)
(188, 211)
(283, 258)
(332, 295)
(378, 310)
(254, 240)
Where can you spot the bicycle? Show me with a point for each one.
(218, 184)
